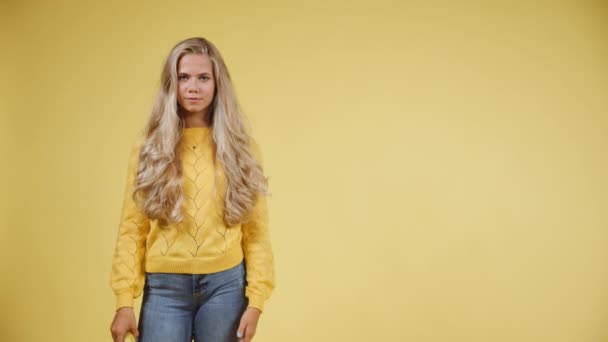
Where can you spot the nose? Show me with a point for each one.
(192, 86)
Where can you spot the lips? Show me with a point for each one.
(193, 98)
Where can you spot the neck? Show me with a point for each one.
(197, 120)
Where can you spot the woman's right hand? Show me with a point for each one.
(124, 321)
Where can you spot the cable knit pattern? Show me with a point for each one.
(201, 243)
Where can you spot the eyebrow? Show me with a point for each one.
(183, 73)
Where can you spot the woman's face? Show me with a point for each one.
(196, 84)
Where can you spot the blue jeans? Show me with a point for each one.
(182, 307)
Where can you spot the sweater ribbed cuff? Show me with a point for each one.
(124, 299)
(256, 302)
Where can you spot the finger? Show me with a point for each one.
(135, 332)
(246, 335)
(249, 332)
(241, 330)
(119, 338)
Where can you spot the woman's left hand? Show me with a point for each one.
(249, 322)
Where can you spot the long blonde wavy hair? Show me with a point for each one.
(159, 184)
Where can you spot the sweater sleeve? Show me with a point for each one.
(259, 259)
(128, 273)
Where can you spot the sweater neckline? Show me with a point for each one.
(196, 135)
(196, 130)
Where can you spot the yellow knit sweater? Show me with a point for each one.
(202, 243)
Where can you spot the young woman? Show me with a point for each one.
(193, 234)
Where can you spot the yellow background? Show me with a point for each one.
(438, 169)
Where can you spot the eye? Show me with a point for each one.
(181, 77)
(205, 77)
